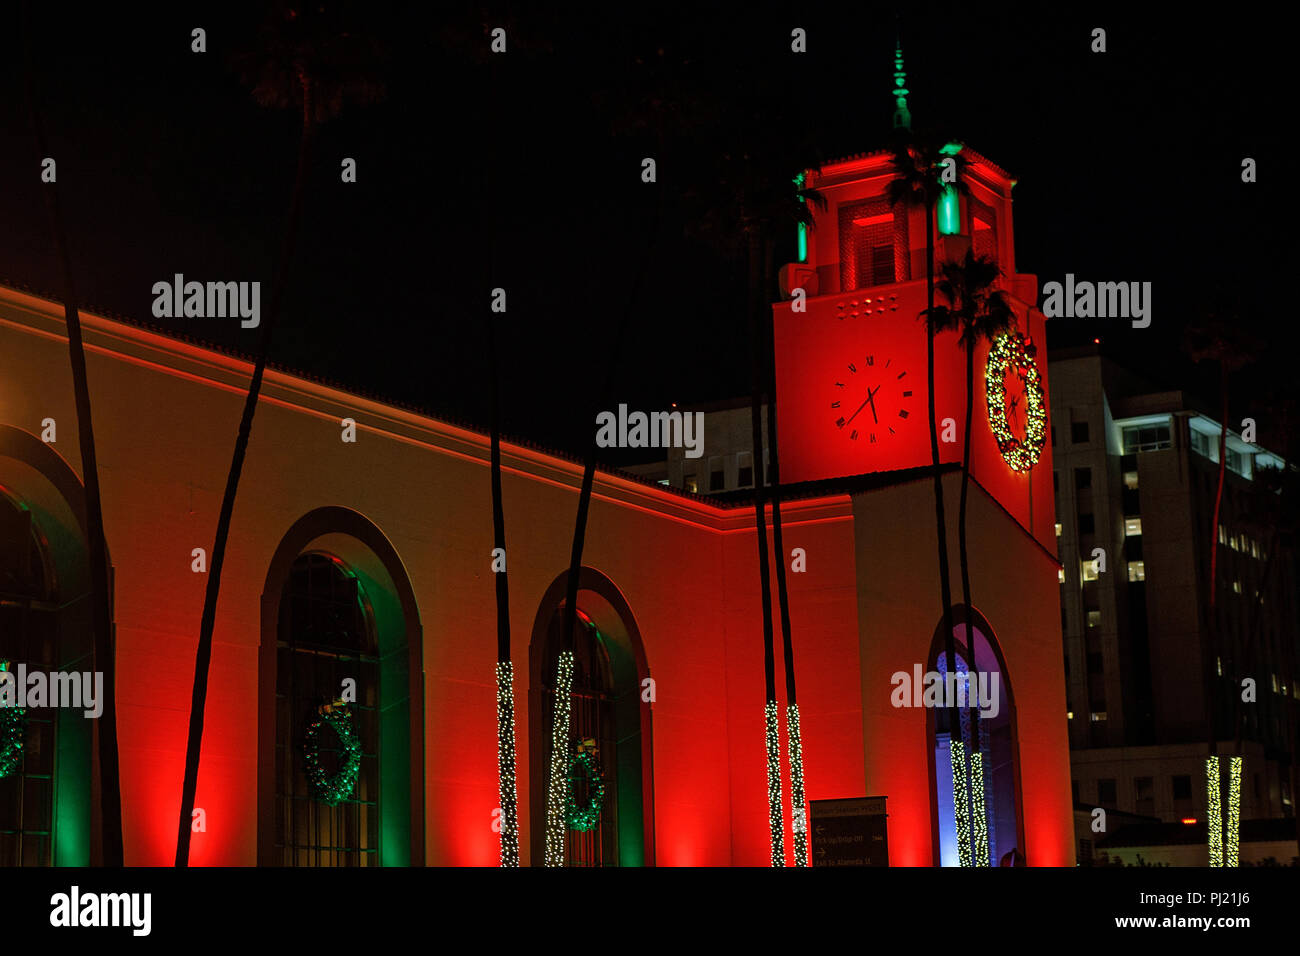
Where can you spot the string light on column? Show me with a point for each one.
(1213, 811)
(506, 790)
(798, 806)
(558, 788)
(980, 835)
(960, 810)
(776, 823)
(1231, 838)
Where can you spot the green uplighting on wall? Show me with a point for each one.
(949, 213)
(803, 227)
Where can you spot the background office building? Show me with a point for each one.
(1136, 471)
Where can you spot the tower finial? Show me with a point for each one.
(902, 118)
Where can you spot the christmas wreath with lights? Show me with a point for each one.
(13, 729)
(1009, 350)
(332, 789)
(584, 819)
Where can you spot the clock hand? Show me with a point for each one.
(870, 395)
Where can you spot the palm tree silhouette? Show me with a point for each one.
(110, 793)
(1221, 339)
(310, 60)
(979, 313)
(919, 162)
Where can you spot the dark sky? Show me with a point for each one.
(1128, 165)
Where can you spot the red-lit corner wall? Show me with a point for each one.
(1014, 586)
(823, 357)
(823, 611)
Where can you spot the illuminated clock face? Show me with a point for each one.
(871, 400)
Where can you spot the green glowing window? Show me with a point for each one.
(949, 212)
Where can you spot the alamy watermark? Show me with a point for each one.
(211, 300)
(978, 689)
(1098, 300)
(75, 908)
(78, 690)
(655, 430)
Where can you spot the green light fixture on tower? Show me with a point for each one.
(902, 118)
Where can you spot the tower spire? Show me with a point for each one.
(902, 118)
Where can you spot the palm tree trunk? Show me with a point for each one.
(1212, 624)
(203, 656)
(110, 793)
(776, 824)
(979, 829)
(945, 583)
(560, 720)
(797, 797)
(506, 763)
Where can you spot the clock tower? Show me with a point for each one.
(851, 346)
(853, 393)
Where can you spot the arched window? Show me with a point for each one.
(28, 636)
(326, 636)
(591, 725)
(609, 711)
(990, 719)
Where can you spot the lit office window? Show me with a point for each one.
(1132, 527)
(1137, 571)
(1088, 570)
(1098, 716)
(1131, 480)
(1060, 575)
(1058, 529)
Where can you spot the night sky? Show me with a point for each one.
(523, 171)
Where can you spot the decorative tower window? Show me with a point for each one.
(984, 236)
(873, 245)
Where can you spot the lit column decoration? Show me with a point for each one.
(559, 762)
(506, 790)
(980, 834)
(1231, 841)
(798, 805)
(1213, 811)
(774, 818)
(961, 811)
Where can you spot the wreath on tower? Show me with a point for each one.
(332, 789)
(1013, 351)
(13, 731)
(584, 766)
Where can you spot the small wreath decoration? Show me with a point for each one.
(584, 819)
(1009, 348)
(332, 790)
(13, 730)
